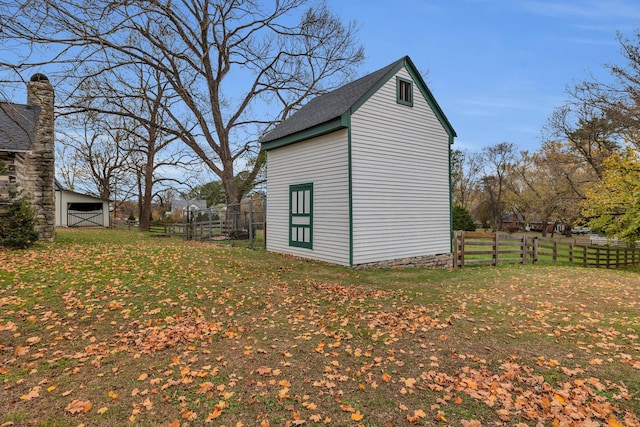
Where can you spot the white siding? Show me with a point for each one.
(63, 198)
(400, 170)
(322, 161)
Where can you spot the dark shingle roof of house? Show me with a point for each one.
(17, 126)
(329, 106)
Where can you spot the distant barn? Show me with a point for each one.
(75, 209)
(360, 176)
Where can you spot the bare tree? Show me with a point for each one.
(152, 150)
(585, 132)
(498, 160)
(69, 169)
(93, 149)
(538, 188)
(237, 67)
(618, 100)
(465, 173)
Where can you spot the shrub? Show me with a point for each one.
(462, 219)
(17, 225)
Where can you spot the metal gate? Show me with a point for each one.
(85, 215)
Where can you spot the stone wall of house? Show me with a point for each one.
(430, 261)
(11, 180)
(39, 165)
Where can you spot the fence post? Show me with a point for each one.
(555, 251)
(496, 249)
(454, 244)
(571, 253)
(462, 245)
(584, 257)
(210, 224)
(535, 250)
(524, 243)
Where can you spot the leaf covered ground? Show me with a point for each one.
(110, 328)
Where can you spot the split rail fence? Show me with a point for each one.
(473, 248)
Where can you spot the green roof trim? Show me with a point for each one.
(335, 113)
(321, 129)
(422, 87)
(431, 100)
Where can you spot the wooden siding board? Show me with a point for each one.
(323, 161)
(400, 167)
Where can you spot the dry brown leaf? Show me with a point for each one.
(33, 393)
(77, 406)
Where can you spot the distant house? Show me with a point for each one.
(551, 226)
(360, 176)
(513, 221)
(80, 210)
(27, 151)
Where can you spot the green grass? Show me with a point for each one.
(176, 329)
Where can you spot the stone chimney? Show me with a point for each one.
(40, 168)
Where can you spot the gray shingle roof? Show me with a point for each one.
(17, 126)
(329, 106)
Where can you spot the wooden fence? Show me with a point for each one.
(472, 248)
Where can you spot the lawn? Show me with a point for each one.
(111, 328)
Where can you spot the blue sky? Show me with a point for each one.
(498, 68)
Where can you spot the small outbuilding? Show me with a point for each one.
(360, 176)
(80, 210)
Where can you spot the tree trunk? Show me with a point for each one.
(145, 207)
(545, 221)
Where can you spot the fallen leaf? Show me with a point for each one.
(264, 370)
(613, 422)
(21, 351)
(33, 393)
(147, 404)
(77, 406)
(213, 415)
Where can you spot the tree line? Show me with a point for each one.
(586, 172)
(151, 94)
(145, 88)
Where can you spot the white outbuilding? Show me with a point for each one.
(360, 176)
(79, 210)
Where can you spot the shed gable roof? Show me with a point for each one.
(326, 113)
(57, 185)
(17, 126)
